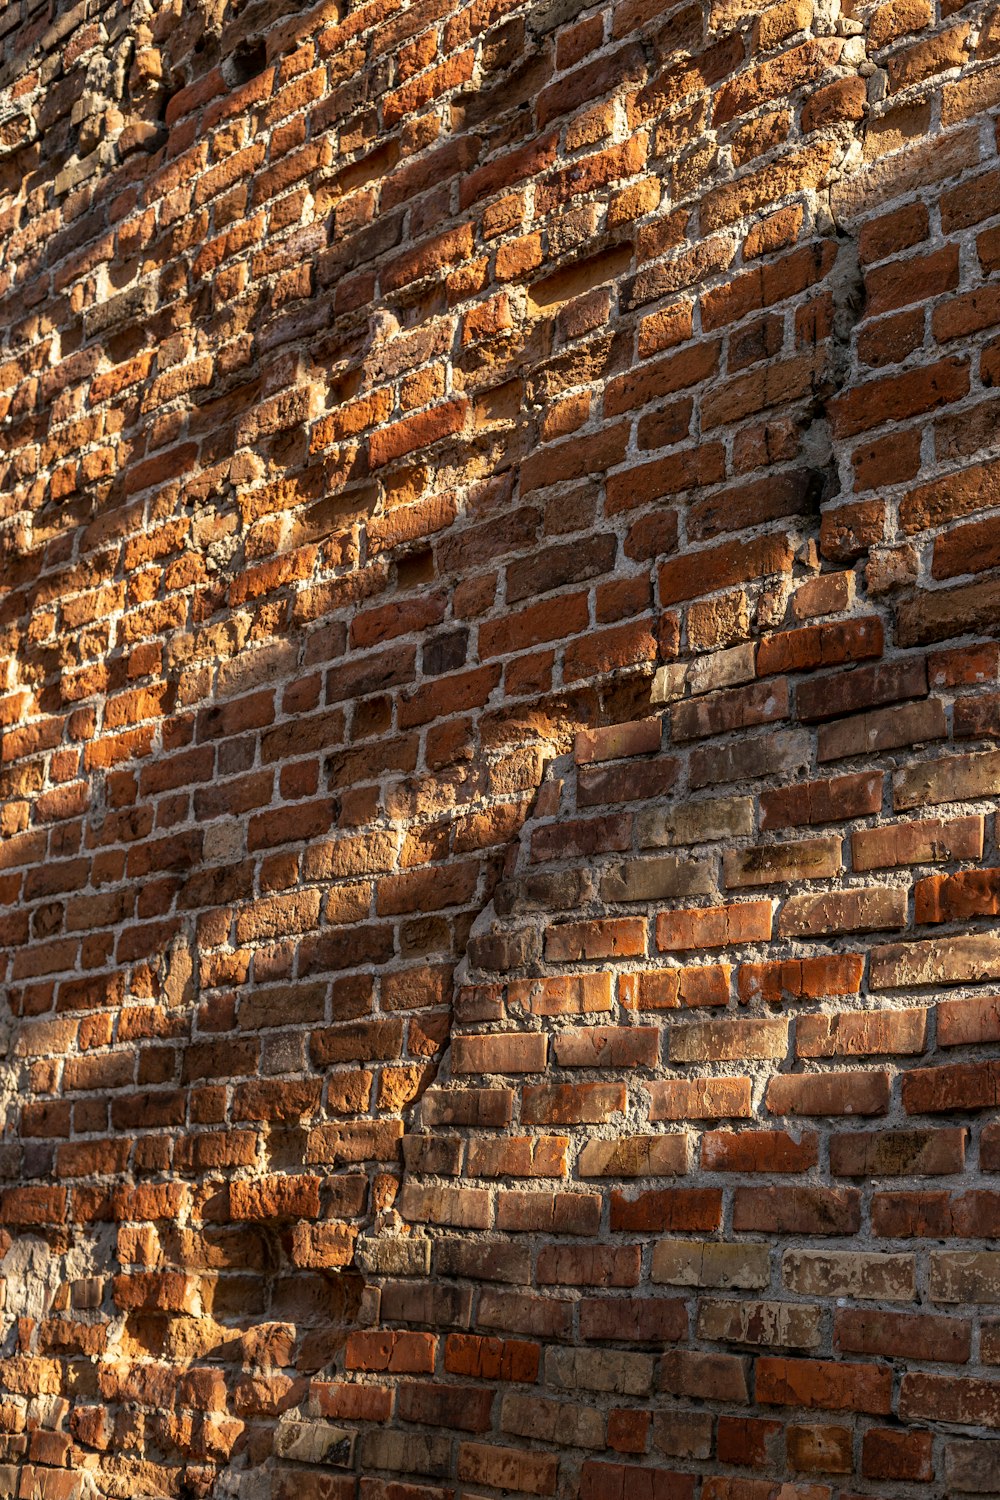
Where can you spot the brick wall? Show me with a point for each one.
(499, 703)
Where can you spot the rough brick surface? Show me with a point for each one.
(499, 703)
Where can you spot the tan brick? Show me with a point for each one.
(635, 1156)
(618, 741)
(467, 1208)
(508, 1468)
(773, 1325)
(561, 1422)
(870, 910)
(696, 822)
(861, 1034)
(965, 1276)
(952, 778)
(771, 864)
(719, 1041)
(722, 669)
(600, 1370)
(657, 879)
(847, 1273)
(948, 960)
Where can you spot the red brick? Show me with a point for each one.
(888, 1454)
(709, 1098)
(824, 1385)
(799, 1210)
(714, 926)
(758, 1151)
(829, 800)
(894, 398)
(400, 1353)
(829, 1094)
(955, 898)
(420, 592)
(902, 1335)
(947, 1398)
(571, 1103)
(604, 1481)
(724, 565)
(812, 978)
(897, 1153)
(813, 646)
(623, 937)
(959, 1086)
(684, 1210)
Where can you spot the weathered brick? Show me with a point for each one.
(462, 522)
(895, 1153)
(850, 1034)
(710, 1264)
(953, 778)
(770, 864)
(876, 1277)
(869, 909)
(635, 1156)
(958, 1086)
(481, 1463)
(774, 1325)
(947, 961)
(719, 1041)
(948, 1398)
(825, 1386)
(664, 878)
(917, 842)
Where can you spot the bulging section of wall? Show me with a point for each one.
(498, 702)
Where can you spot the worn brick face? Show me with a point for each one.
(499, 707)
